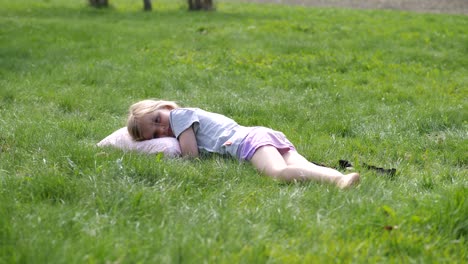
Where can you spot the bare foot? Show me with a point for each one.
(348, 180)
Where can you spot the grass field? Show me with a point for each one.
(384, 88)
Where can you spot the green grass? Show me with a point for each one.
(384, 88)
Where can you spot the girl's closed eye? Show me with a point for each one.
(157, 119)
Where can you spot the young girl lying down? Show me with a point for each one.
(197, 131)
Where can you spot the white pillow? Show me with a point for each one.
(121, 139)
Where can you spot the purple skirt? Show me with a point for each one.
(262, 136)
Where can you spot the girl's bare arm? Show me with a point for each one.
(188, 143)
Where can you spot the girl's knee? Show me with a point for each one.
(273, 171)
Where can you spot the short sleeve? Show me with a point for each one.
(183, 118)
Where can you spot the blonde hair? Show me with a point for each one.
(141, 109)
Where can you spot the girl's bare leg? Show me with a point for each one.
(292, 166)
(292, 157)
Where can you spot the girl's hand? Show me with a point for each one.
(188, 143)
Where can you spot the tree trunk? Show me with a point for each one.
(200, 4)
(208, 4)
(99, 3)
(147, 5)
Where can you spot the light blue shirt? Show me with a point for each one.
(214, 132)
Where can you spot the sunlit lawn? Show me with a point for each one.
(384, 88)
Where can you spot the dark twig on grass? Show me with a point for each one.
(344, 164)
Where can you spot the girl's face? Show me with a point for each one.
(156, 125)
